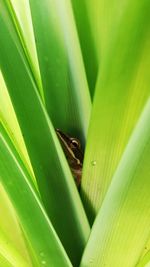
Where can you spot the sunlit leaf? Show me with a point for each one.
(121, 93)
(122, 228)
(53, 176)
(36, 227)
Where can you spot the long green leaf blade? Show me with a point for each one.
(86, 41)
(9, 255)
(122, 228)
(20, 14)
(53, 176)
(31, 215)
(61, 65)
(10, 123)
(11, 232)
(121, 93)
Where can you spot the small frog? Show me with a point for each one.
(72, 149)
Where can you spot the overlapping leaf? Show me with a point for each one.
(121, 230)
(61, 65)
(122, 90)
(54, 179)
(86, 41)
(36, 227)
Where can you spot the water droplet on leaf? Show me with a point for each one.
(93, 162)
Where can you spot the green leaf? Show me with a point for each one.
(10, 123)
(144, 259)
(86, 41)
(9, 255)
(36, 227)
(61, 65)
(121, 93)
(20, 14)
(55, 182)
(122, 228)
(104, 18)
(12, 243)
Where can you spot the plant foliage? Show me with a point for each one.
(82, 67)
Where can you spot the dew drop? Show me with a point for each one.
(93, 162)
(43, 262)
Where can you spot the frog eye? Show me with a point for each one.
(75, 143)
